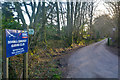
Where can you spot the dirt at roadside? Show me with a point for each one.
(113, 50)
(63, 62)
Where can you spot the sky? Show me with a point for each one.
(100, 9)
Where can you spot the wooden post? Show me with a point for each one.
(25, 66)
(25, 62)
(5, 60)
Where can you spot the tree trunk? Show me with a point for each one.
(68, 40)
(19, 11)
(91, 18)
(58, 19)
(43, 29)
(71, 29)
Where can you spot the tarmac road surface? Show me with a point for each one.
(93, 61)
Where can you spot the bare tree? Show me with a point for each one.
(58, 19)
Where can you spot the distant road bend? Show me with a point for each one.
(93, 61)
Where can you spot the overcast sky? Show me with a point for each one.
(100, 9)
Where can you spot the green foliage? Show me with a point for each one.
(52, 33)
(85, 36)
(8, 21)
(56, 43)
(10, 24)
(0, 36)
(56, 76)
(68, 41)
(6, 10)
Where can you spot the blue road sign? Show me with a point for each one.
(16, 42)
